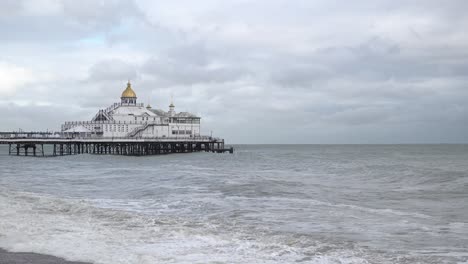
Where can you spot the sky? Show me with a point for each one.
(256, 71)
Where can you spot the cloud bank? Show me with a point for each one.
(256, 71)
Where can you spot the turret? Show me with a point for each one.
(171, 109)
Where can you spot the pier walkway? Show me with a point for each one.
(47, 144)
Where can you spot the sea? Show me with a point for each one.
(262, 204)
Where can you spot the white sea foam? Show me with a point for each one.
(76, 230)
(384, 211)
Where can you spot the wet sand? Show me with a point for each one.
(31, 258)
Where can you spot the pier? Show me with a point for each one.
(124, 128)
(47, 144)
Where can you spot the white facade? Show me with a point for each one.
(130, 119)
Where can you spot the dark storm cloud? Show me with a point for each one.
(256, 71)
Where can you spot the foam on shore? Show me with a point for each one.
(78, 231)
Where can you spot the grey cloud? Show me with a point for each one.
(9, 8)
(375, 59)
(192, 65)
(257, 72)
(100, 15)
(35, 117)
(111, 70)
(361, 115)
(74, 20)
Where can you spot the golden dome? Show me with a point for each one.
(129, 93)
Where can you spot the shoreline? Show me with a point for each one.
(7, 257)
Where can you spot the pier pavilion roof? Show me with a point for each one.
(159, 112)
(138, 111)
(185, 114)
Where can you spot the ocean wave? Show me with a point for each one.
(77, 230)
(308, 202)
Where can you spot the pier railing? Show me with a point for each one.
(60, 146)
(28, 136)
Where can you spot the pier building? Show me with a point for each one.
(130, 119)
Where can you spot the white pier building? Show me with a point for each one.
(129, 119)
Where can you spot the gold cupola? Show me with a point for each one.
(128, 92)
(128, 96)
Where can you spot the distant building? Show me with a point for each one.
(133, 120)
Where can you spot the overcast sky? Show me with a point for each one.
(256, 71)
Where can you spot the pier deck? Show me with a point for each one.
(45, 145)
